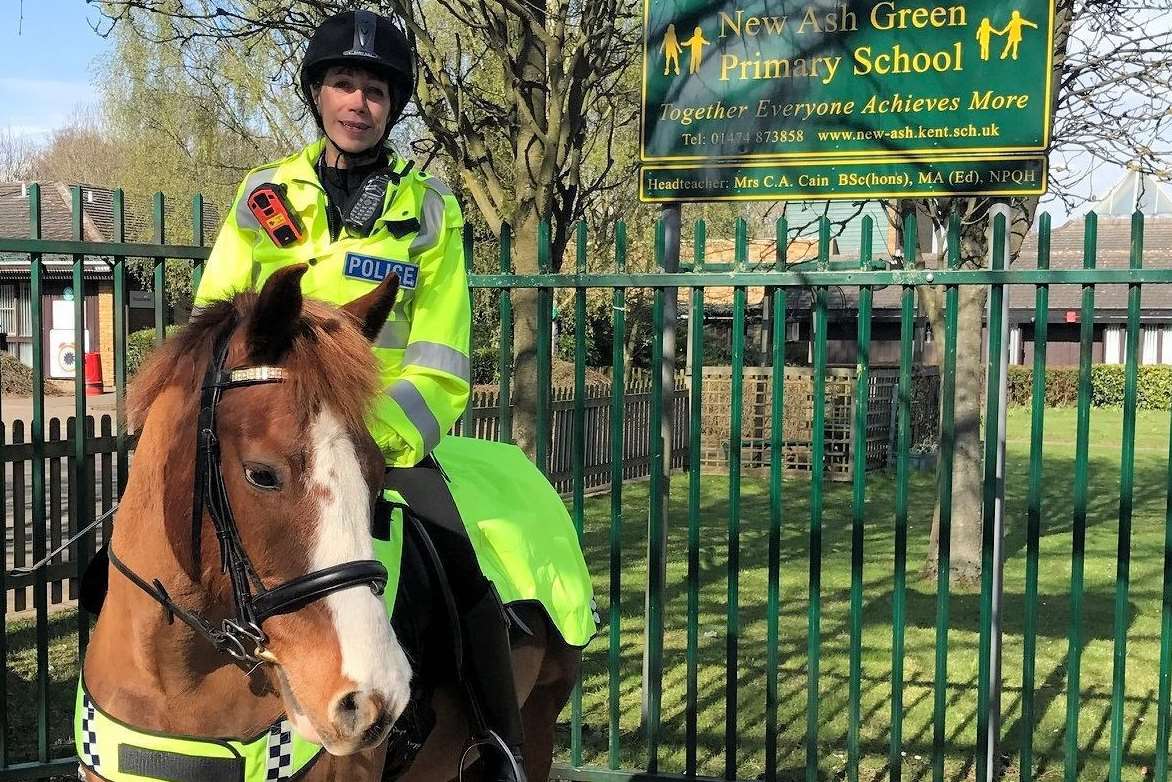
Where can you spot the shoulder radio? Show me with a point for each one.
(276, 217)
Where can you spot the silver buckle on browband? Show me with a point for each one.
(257, 374)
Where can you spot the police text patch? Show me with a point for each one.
(368, 267)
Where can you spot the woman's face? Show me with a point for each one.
(354, 106)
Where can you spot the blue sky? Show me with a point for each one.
(47, 52)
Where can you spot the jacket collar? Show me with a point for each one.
(302, 167)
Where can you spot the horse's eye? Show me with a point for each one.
(262, 477)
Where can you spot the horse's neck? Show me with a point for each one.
(140, 668)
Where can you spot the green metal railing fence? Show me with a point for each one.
(790, 637)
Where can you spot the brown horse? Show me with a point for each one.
(300, 473)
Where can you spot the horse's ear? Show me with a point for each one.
(371, 310)
(275, 320)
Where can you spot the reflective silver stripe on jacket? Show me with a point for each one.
(394, 335)
(418, 413)
(431, 216)
(244, 216)
(433, 355)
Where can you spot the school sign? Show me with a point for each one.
(780, 99)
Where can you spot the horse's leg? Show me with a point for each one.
(539, 718)
(550, 693)
(439, 758)
(440, 755)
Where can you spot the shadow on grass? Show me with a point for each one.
(965, 613)
(23, 705)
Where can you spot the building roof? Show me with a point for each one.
(97, 214)
(1136, 191)
(847, 216)
(760, 253)
(97, 210)
(1112, 251)
(56, 208)
(56, 212)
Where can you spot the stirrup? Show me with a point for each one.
(492, 739)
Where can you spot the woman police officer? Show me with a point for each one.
(353, 213)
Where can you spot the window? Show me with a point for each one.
(16, 313)
(1166, 348)
(8, 310)
(25, 302)
(1113, 345)
(1151, 344)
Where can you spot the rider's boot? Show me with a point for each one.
(490, 679)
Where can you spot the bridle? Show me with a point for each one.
(241, 636)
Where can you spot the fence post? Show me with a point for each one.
(988, 748)
(657, 528)
(892, 415)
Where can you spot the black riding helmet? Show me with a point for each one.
(366, 40)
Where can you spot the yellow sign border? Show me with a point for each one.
(807, 155)
(848, 196)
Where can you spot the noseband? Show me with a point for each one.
(241, 636)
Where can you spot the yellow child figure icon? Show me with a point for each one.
(1014, 27)
(985, 32)
(696, 43)
(671, 50)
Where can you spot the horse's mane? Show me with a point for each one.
(330, 363)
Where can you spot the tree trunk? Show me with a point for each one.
(636, 306)
(965, 541)
(525, 339)
(968, 473)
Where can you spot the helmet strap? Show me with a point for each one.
(352, 158)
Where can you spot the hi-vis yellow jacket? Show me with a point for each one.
(423, 349)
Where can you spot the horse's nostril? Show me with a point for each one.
(347, 712)
(361, 715)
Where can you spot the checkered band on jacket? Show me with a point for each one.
(280, 755)
(89, 735)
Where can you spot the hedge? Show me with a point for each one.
(1107, 386)
(139, 344)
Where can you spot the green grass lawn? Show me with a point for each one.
(1048, 733)
(21, 683)
(1143, 633)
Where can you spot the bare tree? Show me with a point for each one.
(80, 152)
(1112, 103)
(16, 156)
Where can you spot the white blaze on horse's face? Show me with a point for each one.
(374, 669)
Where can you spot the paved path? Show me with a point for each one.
(17, 407)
